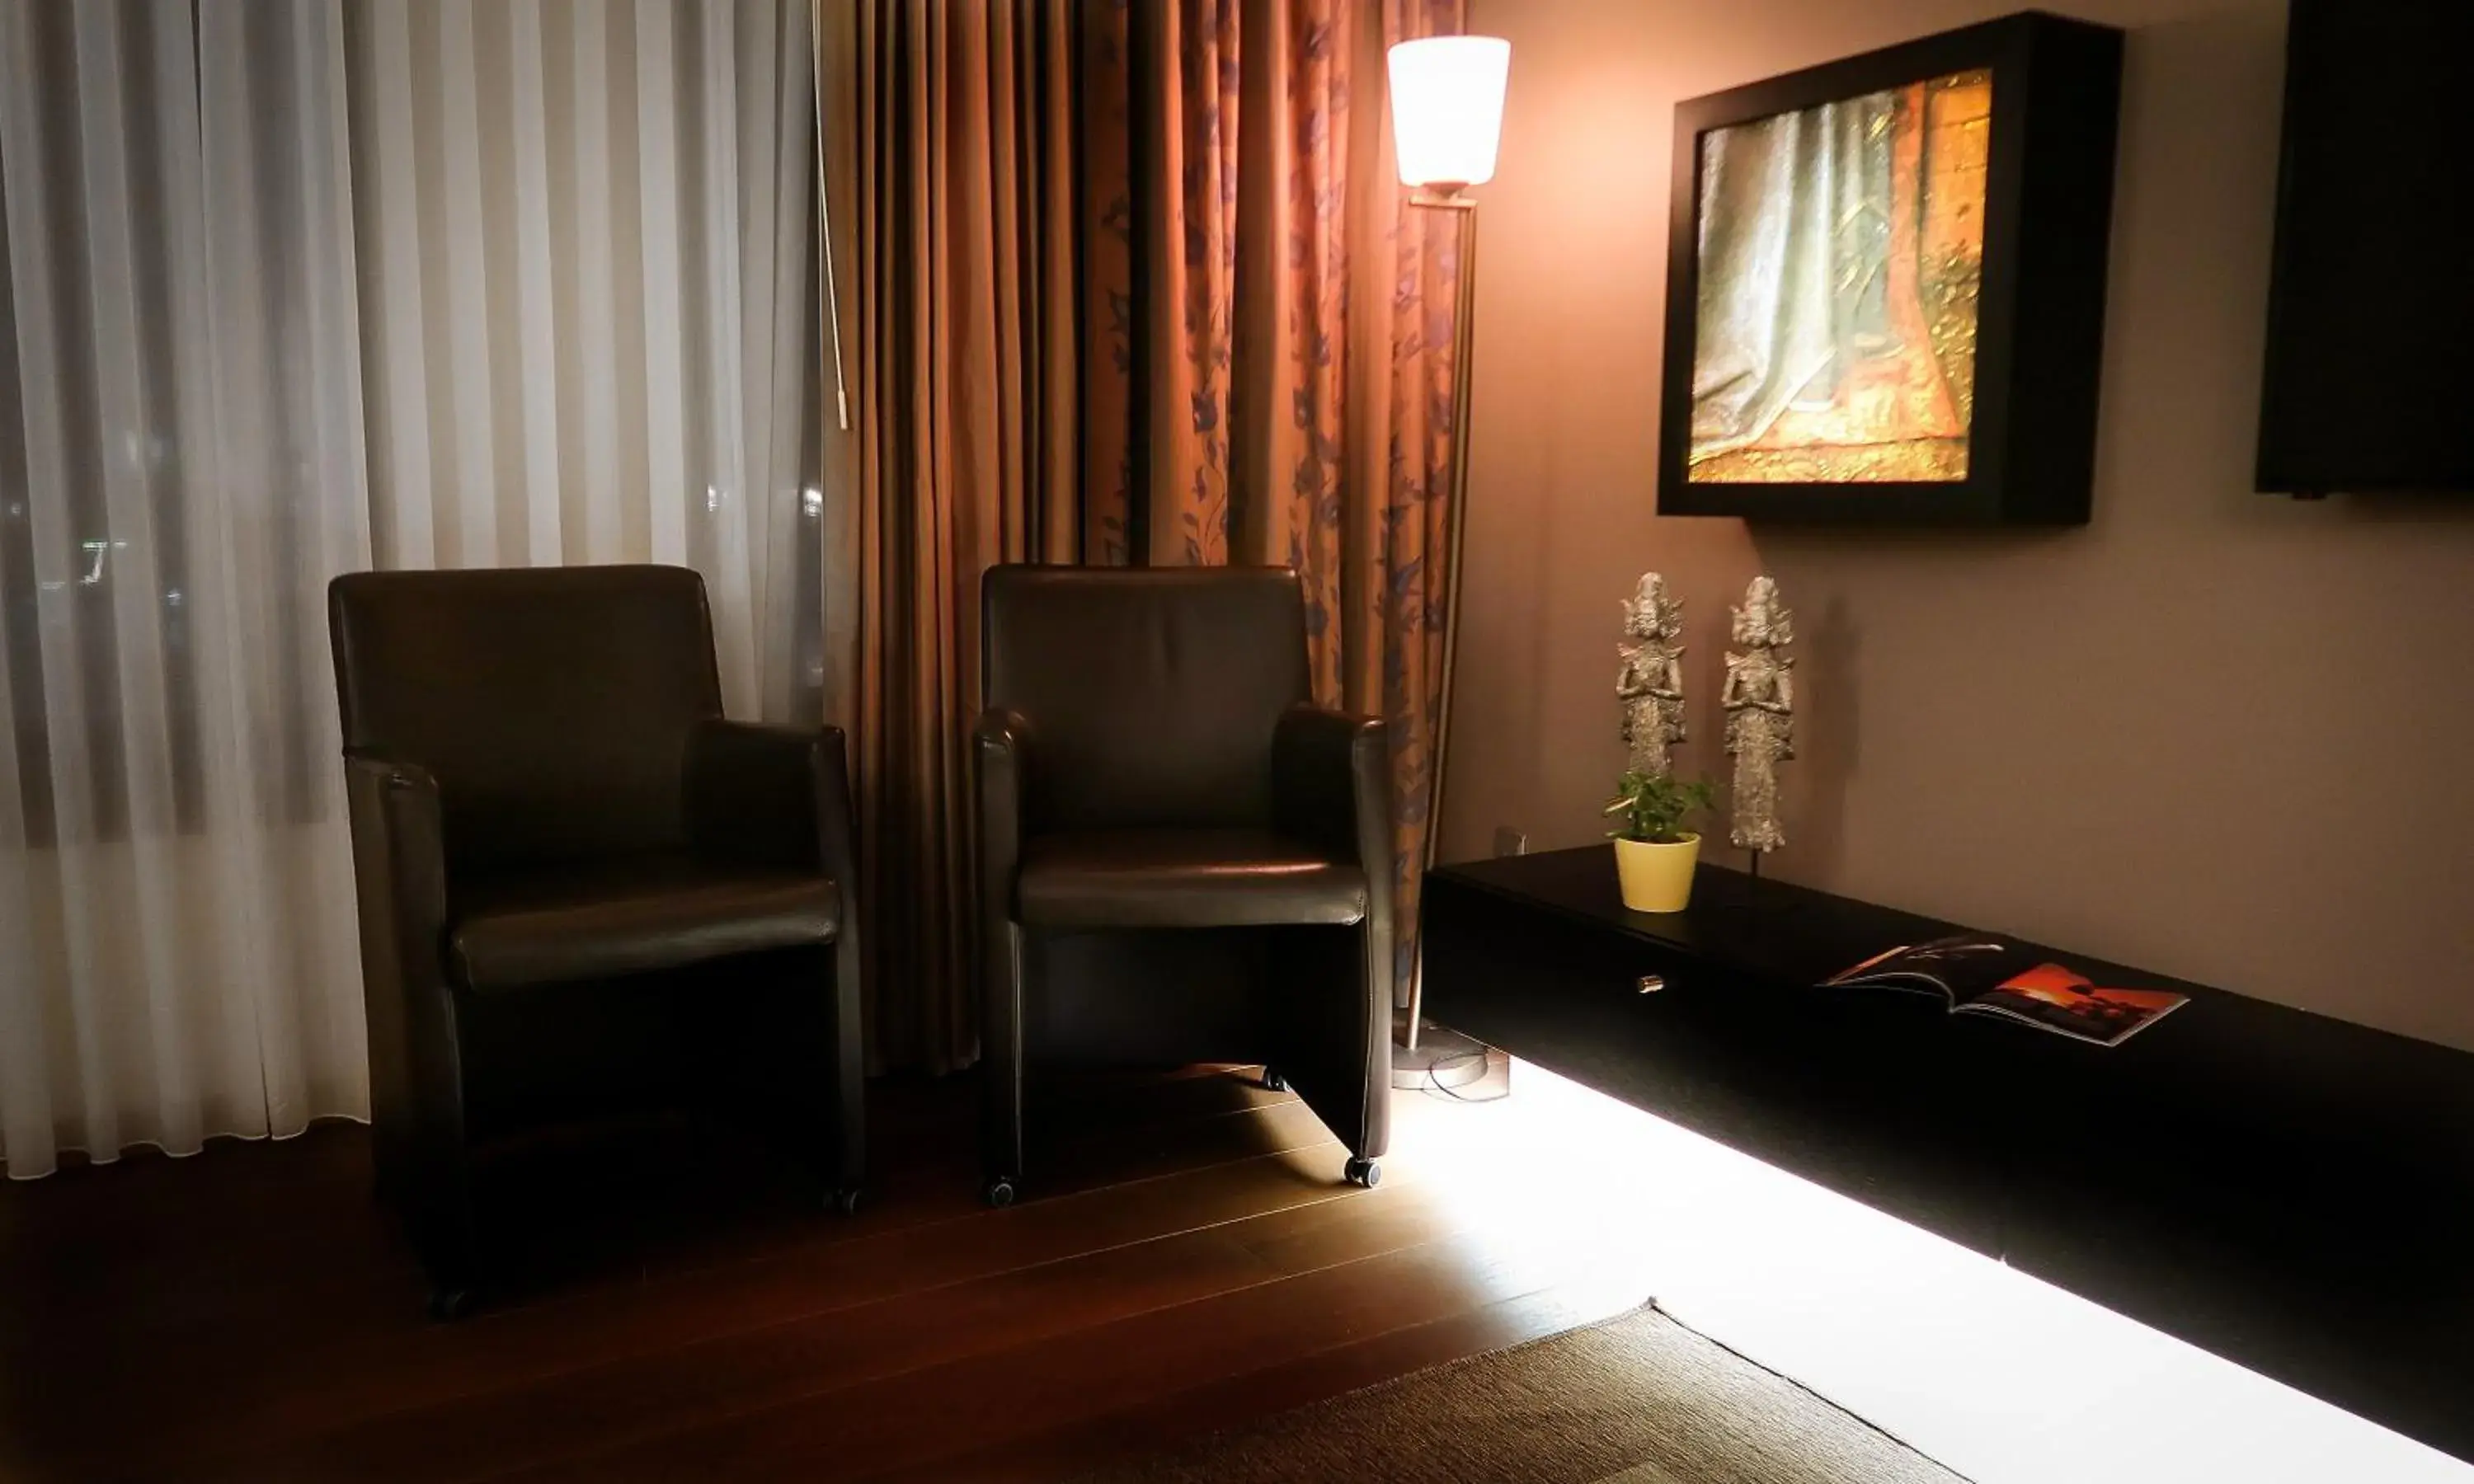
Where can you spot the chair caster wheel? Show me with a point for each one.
(450, 1302)
(843, 1202)
(1363, 1172)
(999, 1192)
(1272, 1081)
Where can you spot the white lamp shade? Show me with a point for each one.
(1448, 108)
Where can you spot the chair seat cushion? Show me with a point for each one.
(1184, 878)
(630, 915)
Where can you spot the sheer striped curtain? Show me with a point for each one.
(181, 470)
(587, 291)
(293, 287)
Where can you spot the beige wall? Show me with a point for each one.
(2213, 732)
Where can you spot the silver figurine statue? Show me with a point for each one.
(1651, 683)
(1760, 701)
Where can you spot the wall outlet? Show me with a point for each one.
(1509, 841)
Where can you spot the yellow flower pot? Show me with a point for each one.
(1657, 877)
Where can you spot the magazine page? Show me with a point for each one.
(2053, 999)
(1958, 968)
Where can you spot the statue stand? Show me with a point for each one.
(1759, 702)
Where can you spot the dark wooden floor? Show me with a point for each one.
(1189, 1261)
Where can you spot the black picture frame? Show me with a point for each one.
(2055, 107)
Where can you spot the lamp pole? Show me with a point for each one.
(1446, 119)
(1456, 500)
(1435, 1057)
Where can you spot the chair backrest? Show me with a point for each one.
(1151, 693)
(553, 705)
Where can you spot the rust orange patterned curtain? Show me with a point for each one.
(1293, 340)
(1135, 283)
(967, 439)
(1400, 461)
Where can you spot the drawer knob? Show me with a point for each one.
(1651, 984)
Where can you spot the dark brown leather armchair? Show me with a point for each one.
(581, 888)
(1181, 858)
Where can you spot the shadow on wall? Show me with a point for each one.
(1816, 793)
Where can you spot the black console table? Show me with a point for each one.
(2288, 1190)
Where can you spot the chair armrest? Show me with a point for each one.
(398, 861)
(400, 886)
(1001, 747)
(781, 796)
(1000, 760)
(764, 795)
(1331, 787)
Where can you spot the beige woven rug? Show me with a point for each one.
(1637, 1400)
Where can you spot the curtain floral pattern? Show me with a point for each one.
(1262, 440)
(1408, 592)
(1193, 278)
(1266, 443)
(1108, 242)
(1242, 327)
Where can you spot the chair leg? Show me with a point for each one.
(1001, 1068)
(1000, 1139)
(397, 1187)
(850, 1082)
(818, 1047)
(450, 1302)
(445, 1232)
(1332, 1036)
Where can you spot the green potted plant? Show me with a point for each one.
(1655, 854)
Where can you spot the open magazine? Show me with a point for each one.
(1992, 976)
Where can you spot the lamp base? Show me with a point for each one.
(1442, 1059)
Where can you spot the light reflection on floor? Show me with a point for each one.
(2001, 1377)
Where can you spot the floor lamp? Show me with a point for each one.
(1447, 117)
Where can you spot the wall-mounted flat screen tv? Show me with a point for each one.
(2370, 342)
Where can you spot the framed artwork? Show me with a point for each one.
(1885, 283)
